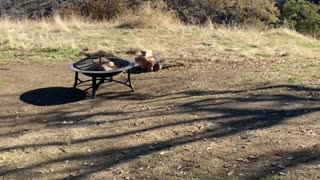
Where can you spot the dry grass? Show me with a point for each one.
(148, 17)
(63, 39)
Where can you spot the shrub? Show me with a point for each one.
(95, 9)
(148, 15)
(303, 16)
(190, 11)
(226, 12)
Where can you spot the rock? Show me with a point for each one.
(242, 160)
(284, 54)
(281, 166)
(252, 157)
(231, 173)
(290, 157)
(226, 166)
(282, 173)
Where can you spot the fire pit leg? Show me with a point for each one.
(129, 80)
(76, 80)
(94, 87)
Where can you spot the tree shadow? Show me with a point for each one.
(286, 160)
(53, 96)
(138, 70)
(242, 111)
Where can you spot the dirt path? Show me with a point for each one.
(182, 123)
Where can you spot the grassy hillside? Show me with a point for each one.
(53, 41)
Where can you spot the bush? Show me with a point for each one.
(95, 9)
(128, 13)
(226, 12)
(190, 11)
(303, 16)
(148, 15)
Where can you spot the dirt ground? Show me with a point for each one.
(185, 122)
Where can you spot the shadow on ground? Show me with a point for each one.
(53, 96)
(234, 113)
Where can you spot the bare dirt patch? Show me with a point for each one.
(199, 120)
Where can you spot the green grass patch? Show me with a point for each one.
(45, 55)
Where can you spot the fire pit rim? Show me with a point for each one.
(118, 70)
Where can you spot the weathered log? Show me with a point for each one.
(151, 62)
(108, 66)
(146, 62)
(160, 62)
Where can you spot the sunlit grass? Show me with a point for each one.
(47, 39)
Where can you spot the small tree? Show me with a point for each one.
(303, 16)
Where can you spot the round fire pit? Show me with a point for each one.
(102, 69)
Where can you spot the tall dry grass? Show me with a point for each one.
(54, 32)
(72, 31)
(147, 16)
(156, 30)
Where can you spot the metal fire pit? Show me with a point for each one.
(94, 67)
